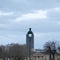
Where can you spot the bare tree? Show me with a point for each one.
(50, 48)
(17, 51)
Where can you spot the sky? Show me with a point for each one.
(17, 16)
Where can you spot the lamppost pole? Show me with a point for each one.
(29, 43)
(29, 48)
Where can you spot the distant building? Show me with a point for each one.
(36, 54)
(30, 39)
(44, 56)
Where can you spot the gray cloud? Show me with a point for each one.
(44, 29)
(28, 5)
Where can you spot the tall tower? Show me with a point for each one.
(29, 43)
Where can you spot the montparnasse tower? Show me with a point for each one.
(30, 43)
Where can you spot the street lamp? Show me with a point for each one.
(29, 43)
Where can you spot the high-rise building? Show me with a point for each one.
(30, 43)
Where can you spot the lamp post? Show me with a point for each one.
(29, 47)
(29, 43)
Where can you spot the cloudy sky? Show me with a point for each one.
(17, 16)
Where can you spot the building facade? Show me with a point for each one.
(44, 56)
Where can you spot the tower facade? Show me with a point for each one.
(30, 43)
